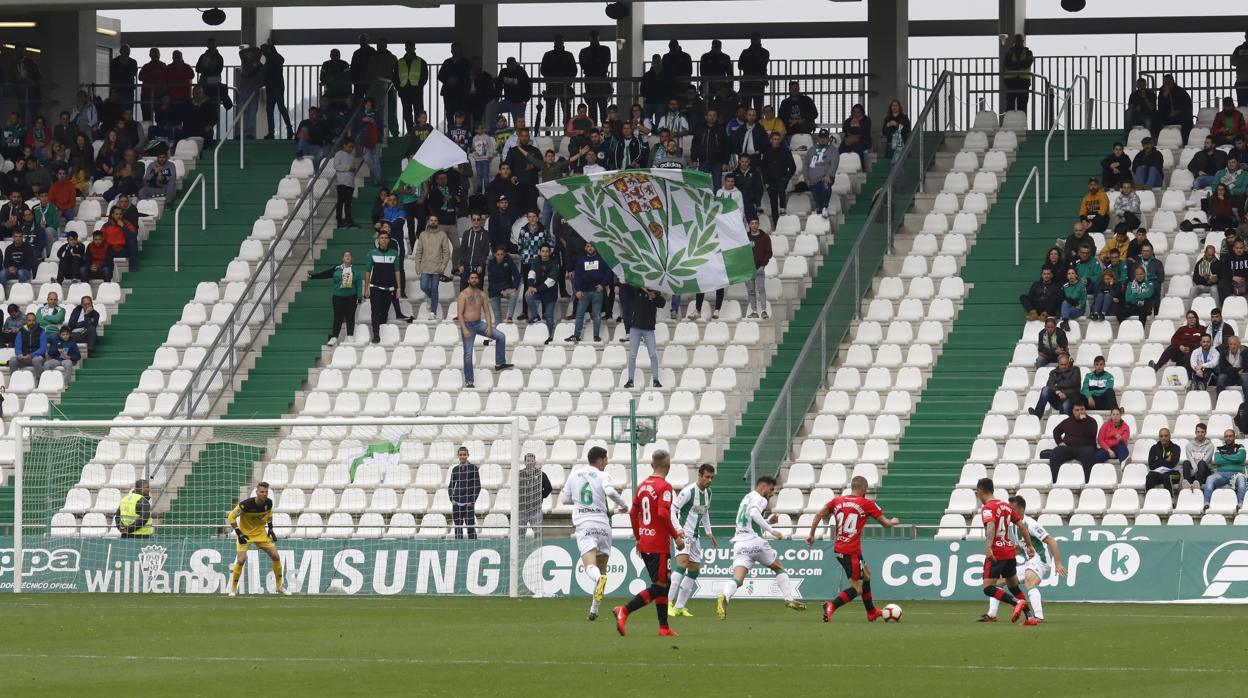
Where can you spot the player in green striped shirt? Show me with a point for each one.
(690, 512)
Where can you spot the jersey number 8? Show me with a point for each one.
(645, 511)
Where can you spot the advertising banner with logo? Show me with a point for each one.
(1109, 567)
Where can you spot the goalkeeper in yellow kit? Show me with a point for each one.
(252, 521)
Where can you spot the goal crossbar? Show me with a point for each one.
(24, 423)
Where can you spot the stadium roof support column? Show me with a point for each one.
(67, 43)
(1011, 20)
(888, 54)
(256, 25)
(630, 53)
(476, 27)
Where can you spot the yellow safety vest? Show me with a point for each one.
(410, 74)
(1016, 56)
(130, 513)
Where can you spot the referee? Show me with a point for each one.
(381, 279)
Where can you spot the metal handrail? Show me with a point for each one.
(1053, 129)
(1017, 226)
(177, 215)
(216, 176)
(1068, 94)
(817, 340)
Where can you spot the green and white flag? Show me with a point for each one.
(382, 455)
(437, 153)
(659, 229)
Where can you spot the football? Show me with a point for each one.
(892, 613)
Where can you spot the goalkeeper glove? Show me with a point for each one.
(242, 537)
(272, 535)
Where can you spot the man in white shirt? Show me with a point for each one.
(750, 547)
(588, 490)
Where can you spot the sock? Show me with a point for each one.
(640, 600)
(593, 573)
(660, 603)
(678, 576)
(687, 586)
(844, 597)
(1000, 594)
(866, 597)
(993, 607)
(277, 573)
(730, 588)
(786, 586)
(1018, 594)
(1033, 597)
(238, 572)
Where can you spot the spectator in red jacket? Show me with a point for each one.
(1111, 440)
(1228, 124)
(62, 194)
(1182, 342)
(122, 238)
(99, 264)
(178, 78)
(756, 288)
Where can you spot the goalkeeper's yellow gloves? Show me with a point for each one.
(242, 537)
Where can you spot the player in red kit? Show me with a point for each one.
(651, 516)
(999, 562)
(851, 513)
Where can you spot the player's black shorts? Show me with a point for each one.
(996, 569)
(656, 566)
(852, 564)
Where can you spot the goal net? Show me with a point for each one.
(359, 506)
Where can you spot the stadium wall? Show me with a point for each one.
(1150, 564)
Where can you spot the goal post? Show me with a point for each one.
(360, 505)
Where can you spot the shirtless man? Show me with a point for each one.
(474, 319)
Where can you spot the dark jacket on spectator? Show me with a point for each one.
(31, 340)
(642, 306)
(1048, 346)
(501, 276)
(1147, 158)
(591, 272)
(710, 145)
(762, 249)
(465, 485)
(539, 273)
(777, 164)
(1068, 381)
(1224, 363)
(1163, 456)
(1209, 163)
(751, 185)
(1076, 433)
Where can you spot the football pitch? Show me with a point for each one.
(104, 644)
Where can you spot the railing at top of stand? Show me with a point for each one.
(809, 369)
(1033, 174)
(177, 216)
(1068, 94)
(254, 310)
(235, 127)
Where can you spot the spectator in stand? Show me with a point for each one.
(516, 88)
(533, 234)
(822, 161)
(1126, 208)
(1139, 297)
(345, 296)
(1056, 262)
(540, 289)
(503, 279)
(335, 79)
(751, 138)
(36, 235)
(1094, 208)
(715, 64)
(1197, 458)
(62, 352)
(1218, 329)
(1076, 440)
(673, 119)
(38, 139)
(1115, 170)
(1206, 275)
(359, 68)
(474, 250)
(344, 182)
(1016, 74)
(799, 111)
(559, 70)
(595, 63)
(1228, 124)
(1112, 438)
(249, 81)
(896, 130)
(1043, 299)
(772, 123)
(642, 306)
(1061, 390)
(1147, 168)
(122, 70)
(656, 85)
(51, 315)
(12, 325)
(534, 487)
(464, 488)
(750, 181)
(1235, 179)
(161, 179)
(1240, 151)
(1116, 250)
(679, 66)
(1163, 463)
(473, 316)
(1206, 163)
(178, 79)
(482, 153)
(1204, 364)
(210, 67)
(1074, 297)
(1228, 461)
(778, 168)
(367, 133)
(1097, 392)
(412, 74)
(31, 347)
(99, 259)
(1183, 342)
(62, 194)
(1174, 106)
(631, 150)
(856, 132)
(122, 238)
(1233, 366)
(152, 74)
(590, 281)
(433, 256)
(1142, 107)
(19, 260)
(275, 89)
(729, 190)
(1051, 344)
(71, 260)
(754, 62)
(482, 105)
(84, 324)
(1222, 208)
(1239, 61)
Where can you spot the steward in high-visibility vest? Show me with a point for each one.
(134, 515)
(1016, 74)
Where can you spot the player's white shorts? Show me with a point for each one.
(1037, 565)
(593, 537)
(750, 552)
(693, 548)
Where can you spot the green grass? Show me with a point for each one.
(71, 645)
